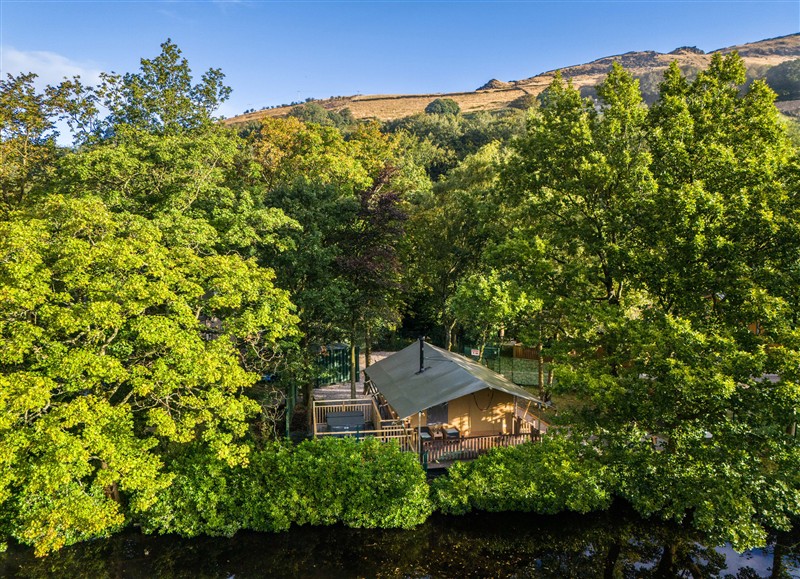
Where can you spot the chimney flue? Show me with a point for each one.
(421, 355)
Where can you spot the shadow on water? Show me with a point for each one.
(612, 544)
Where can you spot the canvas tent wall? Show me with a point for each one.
(478, 400)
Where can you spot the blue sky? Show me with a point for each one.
(274, 52)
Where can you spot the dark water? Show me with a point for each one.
(613, 544)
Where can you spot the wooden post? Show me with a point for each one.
(514, 419)
(419, 434)
(313, 407)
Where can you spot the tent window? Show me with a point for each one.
(437, 414)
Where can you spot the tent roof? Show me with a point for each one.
(447, 376)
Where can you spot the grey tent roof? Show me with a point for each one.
(447, 376)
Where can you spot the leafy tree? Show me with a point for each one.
(161, 98)
(312, 112)
(453, 137)
(28, 133)
(784, 79)
(523, 102)
(668, 233)
(443, 106)
(346, 194)
(112, 343)
(449, 229)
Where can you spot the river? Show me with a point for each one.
(611, 544)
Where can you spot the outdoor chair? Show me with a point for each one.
(451, 433)
(425, 434)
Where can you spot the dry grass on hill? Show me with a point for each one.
(498, 94)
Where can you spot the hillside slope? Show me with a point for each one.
(497, 94)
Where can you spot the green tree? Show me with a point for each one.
(28, 133)
(448, 231)
(112, 343)
(662, 236)
(161, 98)
(443, 106)
(784, 79)
(347, 196)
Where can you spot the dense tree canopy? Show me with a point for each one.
(665, 242)
(155, 275)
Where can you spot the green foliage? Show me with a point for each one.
(321, 482)
(450, 228)
(161, 98)
(209, 496)
(443, 106)
(555, 475)
(449, 139)
(28, 134)
(523, 102)
(105, 349)
(347, 195)
(312, 112)
(653, 239)
(196, 185)
(784, 79)
(360, 484)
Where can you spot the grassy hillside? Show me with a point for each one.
(496, 94)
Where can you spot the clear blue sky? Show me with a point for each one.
(279, 51)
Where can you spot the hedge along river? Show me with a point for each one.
(615, 543)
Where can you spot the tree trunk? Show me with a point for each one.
(448, 335)
(777, 560)
(666, 565)
(611, 560)
(484, 337)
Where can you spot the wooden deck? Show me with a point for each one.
(437, 453)
(441, 452)
(375, 425)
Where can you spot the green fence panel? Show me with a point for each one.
(334, 366)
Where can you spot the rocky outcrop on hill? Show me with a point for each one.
(494, 84)
(687, 50)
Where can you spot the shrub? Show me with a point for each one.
(555, 475)
(319, 482)
(523, 102)
(784, 79)
(360, 484)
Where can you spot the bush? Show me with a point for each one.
(443, 107)
(548, 477)
(360, 484)
(319, 482)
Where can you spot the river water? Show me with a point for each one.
(611, 544)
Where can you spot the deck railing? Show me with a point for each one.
(438, 450)
(384, 430)
(471, 447)
(365, 405)
(530, 422)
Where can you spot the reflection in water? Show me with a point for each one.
(613, 544)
